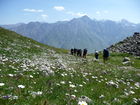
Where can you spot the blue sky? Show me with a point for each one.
(24, 11)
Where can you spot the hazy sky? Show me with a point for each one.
(17, 11)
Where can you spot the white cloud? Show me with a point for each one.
(102, 12)
(105, 12)
(65, 19)
(98, 12)
(71, 13)
(79, 14)
(44, 16)
(59, 8)
(32, 10)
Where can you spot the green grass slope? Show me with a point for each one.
(35, 74)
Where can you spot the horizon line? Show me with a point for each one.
(68, 20)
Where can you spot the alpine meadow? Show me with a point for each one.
(36, 74)
(69, 52)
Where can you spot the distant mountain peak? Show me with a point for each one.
(126, 22)
(34, 22)
(85, 17)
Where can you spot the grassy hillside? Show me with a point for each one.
(35, 74)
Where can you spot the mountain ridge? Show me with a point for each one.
(80, 32)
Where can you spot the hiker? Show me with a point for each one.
(105, 55)
(96, 54)
(79, 52)
(72, 51)
(84, 53)
(75, 51)
(136, 33)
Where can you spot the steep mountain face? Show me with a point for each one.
(129, 45)
(79, 32)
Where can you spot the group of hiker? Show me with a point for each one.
(79, 52)
(83, 53)
(105, 55)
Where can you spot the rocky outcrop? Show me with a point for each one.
(129, 45)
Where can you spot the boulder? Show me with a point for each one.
(129, 45)
(126, 59)
(85, 99)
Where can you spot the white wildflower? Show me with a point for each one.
(84, 82)
(65, 74)
(34, 94)
(111, 83)
(87, 79)
(131, 87)
(72, 86)
(67, 94)
(70, 82)
(101, 96)
(126, 93)
(21, 86)
(128, 83)
(2, 84)
(105, 78)
(15, 97)
(131, 92)
(39, 93)
(94, 77)
(136, 100)
(106, 103)
(116, 100)
(11, 75)
(62, 82)
(101, 76)
(81, 85)
(137, 84)
(82, 103)
(75, 90)
(57, 84)
(30, 76)
(73, 96)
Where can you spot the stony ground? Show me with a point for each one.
(129, 45)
